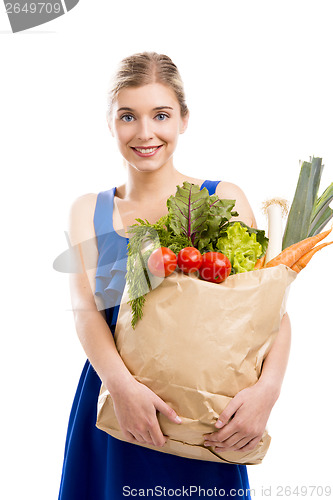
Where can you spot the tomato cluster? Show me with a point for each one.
(212, 266)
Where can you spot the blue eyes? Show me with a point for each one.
(129, 118)
(161, 117)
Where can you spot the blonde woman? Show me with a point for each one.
(147, 113)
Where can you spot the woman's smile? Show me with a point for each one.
(151, 151)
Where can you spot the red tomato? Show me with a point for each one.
(189, 259)
(215, 267)
(162, 262)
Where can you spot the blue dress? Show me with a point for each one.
(99, 467)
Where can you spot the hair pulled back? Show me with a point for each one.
(144, 68)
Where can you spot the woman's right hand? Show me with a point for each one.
(135, 406)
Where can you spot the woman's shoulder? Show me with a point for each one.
(228, 189)
(231, 191)
(84, 200)
(83, 207)
(81, 217)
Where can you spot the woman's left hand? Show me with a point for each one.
(243, 421)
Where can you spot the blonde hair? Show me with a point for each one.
(143, 68)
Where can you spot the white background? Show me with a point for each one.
(258, 78)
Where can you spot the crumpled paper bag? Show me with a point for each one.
(197, 345)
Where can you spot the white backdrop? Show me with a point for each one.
(259, 85)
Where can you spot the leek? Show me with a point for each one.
(275, 209)
(321, 213)
(308, 214)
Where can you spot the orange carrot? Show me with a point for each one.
(291, 254)
(303, 261)
(260, 262)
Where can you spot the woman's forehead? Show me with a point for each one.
(152, 95)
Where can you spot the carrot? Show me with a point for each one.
(305, 259)
(260, 262)
(291, 254)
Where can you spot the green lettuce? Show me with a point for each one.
(241, 247)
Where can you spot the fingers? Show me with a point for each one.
(153, 434)
(243, 445)
(128, 436)
(232, 447)
(225, 433)
(233, 437)
(228, 412)
(156, 435)
(250, 445)
(148, 432)
(169, 412)
(234, 443)
(227, 443)
(144, 428)
(136, 437)
(146, 438)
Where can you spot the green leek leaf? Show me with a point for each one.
(299, 218)
(321, 222)
(320, 208)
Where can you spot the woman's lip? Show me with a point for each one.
(146, 152)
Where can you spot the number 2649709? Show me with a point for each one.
(33, 8)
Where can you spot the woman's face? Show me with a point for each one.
(146, 123)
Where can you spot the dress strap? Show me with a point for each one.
(103, 216)
(210, 185)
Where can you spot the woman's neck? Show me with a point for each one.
(150, 187)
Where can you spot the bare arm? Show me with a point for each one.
(92, 329)
(275, 363)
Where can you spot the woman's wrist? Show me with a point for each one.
(275, 363)
(117, 379)
(270, 388)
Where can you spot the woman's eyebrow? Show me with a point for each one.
(162, 107)
(158, 108)
(125, 109)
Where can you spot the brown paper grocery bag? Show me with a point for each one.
(197, 345)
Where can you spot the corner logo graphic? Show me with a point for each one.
(24, 15)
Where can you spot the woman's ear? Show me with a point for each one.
(184, 122)
(108, 120)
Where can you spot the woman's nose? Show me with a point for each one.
(145, 132)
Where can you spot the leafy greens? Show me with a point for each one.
(195, 218)
(240, 246)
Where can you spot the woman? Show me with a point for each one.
(146, 114)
